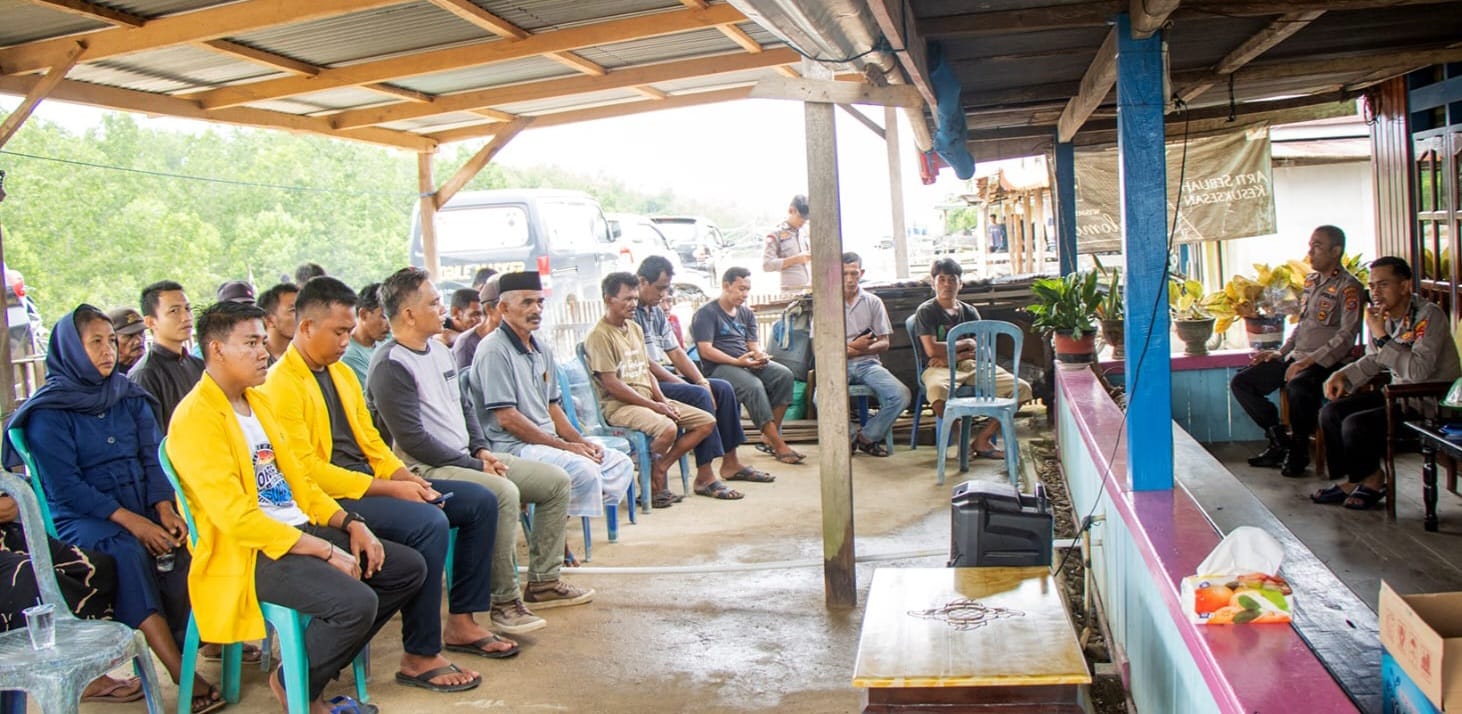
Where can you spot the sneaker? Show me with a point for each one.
(514, 618)
(556, 594)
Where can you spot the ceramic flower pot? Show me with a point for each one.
(1194, 334)
(1074, 350)
(1112, 331)
(1265, 333)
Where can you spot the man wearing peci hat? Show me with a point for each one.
(128, 325)
(236, 291)
(466, 344)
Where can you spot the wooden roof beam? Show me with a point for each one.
(1099, 79)
(1264, 40)
(40, 91)
(649, 92)
(1148, 16)
(890, 16)
(474, 55)
(500, 139)
(731, 31)
(624, 78)
(182, 28)
(1368, 61)
(263, 57)
(152, 103)
(390, 90)
(93, 11)
(471, 12)
(1033, 19)
(606, 112)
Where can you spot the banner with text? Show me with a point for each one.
(1227, 191)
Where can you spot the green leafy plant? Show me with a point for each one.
(1185, 299)
(1110, 307)
(1067, 303)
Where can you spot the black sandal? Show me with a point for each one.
(663, 499)
(872, 448)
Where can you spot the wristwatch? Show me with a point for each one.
(351, 517)
(1381, 341)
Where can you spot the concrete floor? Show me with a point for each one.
(720, 642)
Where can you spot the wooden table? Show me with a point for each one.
(969, 640)
(1432, 441)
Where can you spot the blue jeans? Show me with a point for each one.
(728, 434)
(893, 396)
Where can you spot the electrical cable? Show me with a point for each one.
(739, 567)
(1085, 523)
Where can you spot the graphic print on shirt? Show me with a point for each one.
(274, 492)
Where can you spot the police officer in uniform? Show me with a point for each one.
(1330, 322)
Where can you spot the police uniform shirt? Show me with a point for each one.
(1330, 319)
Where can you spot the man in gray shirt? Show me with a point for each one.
(413, 392)
(866, 322)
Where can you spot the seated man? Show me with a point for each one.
(935, 318)
(514, 387)
(663, 348)
(129, 326)
(866, 321)
(1330, 317)
(278, 306)
(322, 410)
(371, 329)
(724, 331)
(466, 345)
(631, 397)
(1410, 337)
(265, 531)
(412, 389)
(167, 371)
(465, 314)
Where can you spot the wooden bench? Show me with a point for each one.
(969, 640)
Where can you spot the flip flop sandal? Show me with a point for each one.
(1331, 495)
(752, 475)
(765, 448)
(720, 491)
(113, 693)
(1363, 499)
(205, 702)
(250, 655)
(662, 499)
(991, 454)
(475, 648)
(791, 458)
(872, 448)
(345, 705)
(423, 680)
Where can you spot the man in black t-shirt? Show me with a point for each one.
(932, 323)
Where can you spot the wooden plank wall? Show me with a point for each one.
(1391, 165)
(1206, 409)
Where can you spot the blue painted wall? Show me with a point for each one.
(1206, 409)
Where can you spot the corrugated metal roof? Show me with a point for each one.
(26, 22)
(459, 80)
(195, 67)
(720, 81)
(293, 105)
(118, 76)
(158, 8)
(577, 101)
(346, 98)
(372, 34)
(660, 49)
(439, 122)
(542, 15)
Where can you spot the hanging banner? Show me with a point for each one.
(1227, 191)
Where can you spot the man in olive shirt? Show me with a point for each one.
(1330, 317)
(631, 397)
(1412, 338)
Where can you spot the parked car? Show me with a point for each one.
(635, 238)
(698, 241)
(561, 234)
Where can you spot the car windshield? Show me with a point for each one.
(578, 224)
(645, 234)
(679, 232)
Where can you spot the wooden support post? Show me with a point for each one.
(1066, 206)
(427, 185)
(1142, 169)
(40, 91)
(1038, 229)
(896, 193)
(479, 160)
(835, 462)
(7, 365)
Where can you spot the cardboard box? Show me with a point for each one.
(1252, 598)
(1422, 634)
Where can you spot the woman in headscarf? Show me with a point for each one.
(94, 439)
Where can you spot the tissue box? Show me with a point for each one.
(1421, 636)
(1249, 599)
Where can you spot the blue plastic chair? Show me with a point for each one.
(985, 401)
(593, 418)
(920, 399)
(288, 624)
(22, 447)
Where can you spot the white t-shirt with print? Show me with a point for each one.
(276, 499)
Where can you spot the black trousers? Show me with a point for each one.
(1355, 435)
(345, 613)
(1306, 392)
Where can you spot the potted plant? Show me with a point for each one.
(1066, 307)
(1109, 310)
(1193, 322)
(1263, 302)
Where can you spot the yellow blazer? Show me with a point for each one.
(296, 398)
(215, 466)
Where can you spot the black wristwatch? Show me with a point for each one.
(1381, 341)
(351, 517)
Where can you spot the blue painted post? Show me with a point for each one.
(1143, 171)
(1066, 206)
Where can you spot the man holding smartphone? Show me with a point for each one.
(1330, 320)
(866, 321)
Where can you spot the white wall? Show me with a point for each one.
(1308, 196)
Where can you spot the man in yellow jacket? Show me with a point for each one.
(265, 531)
(323, 412)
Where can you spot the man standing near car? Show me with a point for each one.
(128, 325)
(787, 250)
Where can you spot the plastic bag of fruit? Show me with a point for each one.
(1239, 583)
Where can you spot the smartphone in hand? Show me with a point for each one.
(439, 500)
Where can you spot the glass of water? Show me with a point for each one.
(166, 561)
(40, 620)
